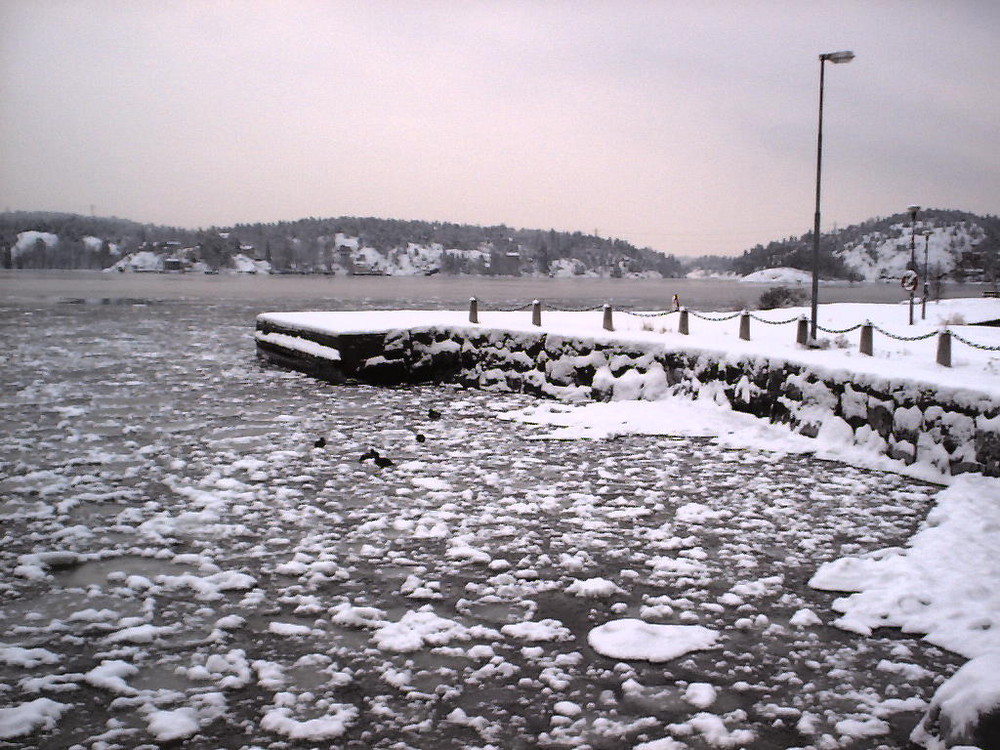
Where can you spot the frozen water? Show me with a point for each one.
(193, 568)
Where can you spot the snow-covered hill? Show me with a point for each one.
(885, 255)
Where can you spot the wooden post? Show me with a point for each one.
(745, 326)
(944, 348)
(608, 324)
(473, 310)
(802, 332)
(866, 338)
(682, 324)
(536, 313)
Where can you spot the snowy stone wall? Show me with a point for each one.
(956, 431)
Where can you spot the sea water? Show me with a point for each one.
(188, 534)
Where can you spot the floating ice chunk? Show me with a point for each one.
(16, 656)
(700, 694)
(664, 743)
(713, 729)
(567, 708)
(542, 630)
(110, 675)
(168, 726)
(281, 719)
(635, 639)
(698, 513)
(462, 551)
(288, 629)
(25, 718)
(422, 627)
(138, 634)
(346, 614)
(593, 588)
(434, 484)
(856, 728)
(805, 618)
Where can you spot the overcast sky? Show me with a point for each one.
(685, 126)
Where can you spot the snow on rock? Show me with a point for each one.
(965, 710)
(941, 583)
(635, 639)
(25, 718)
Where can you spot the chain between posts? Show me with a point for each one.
(974, 345)
(774, 322)
(905, 338)
(716, 320)
(841, 330)
(648, 315)
(575, 309)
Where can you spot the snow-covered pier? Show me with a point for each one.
(897, 405)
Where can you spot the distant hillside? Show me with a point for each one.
(960, 246)
(344, 245)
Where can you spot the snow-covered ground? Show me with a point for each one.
(184, 560)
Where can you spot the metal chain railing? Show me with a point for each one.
(528, 306)
(974, 345)
(648, 315)
(715, 320)
(836, 331)
(774, 322)
(574, 309)
(904, 338)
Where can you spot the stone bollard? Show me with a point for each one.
(536, 313)
(608, 324)
(944, 348)
(473, 310)
(745, 325)
(866, 338)
(802, 331)
(682, 324)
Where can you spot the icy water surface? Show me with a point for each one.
(179, 559)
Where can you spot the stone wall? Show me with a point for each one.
(955, 431)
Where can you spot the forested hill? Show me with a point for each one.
(337, 245)
(959, 245)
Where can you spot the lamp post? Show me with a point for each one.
(913, 251)
(923, 302)
(834, 57)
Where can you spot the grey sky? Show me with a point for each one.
(689, 127)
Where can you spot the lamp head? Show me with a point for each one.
(913, 210)
(844, 56)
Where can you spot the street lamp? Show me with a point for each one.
(834, 57)
(913, 252)
(923, 302)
